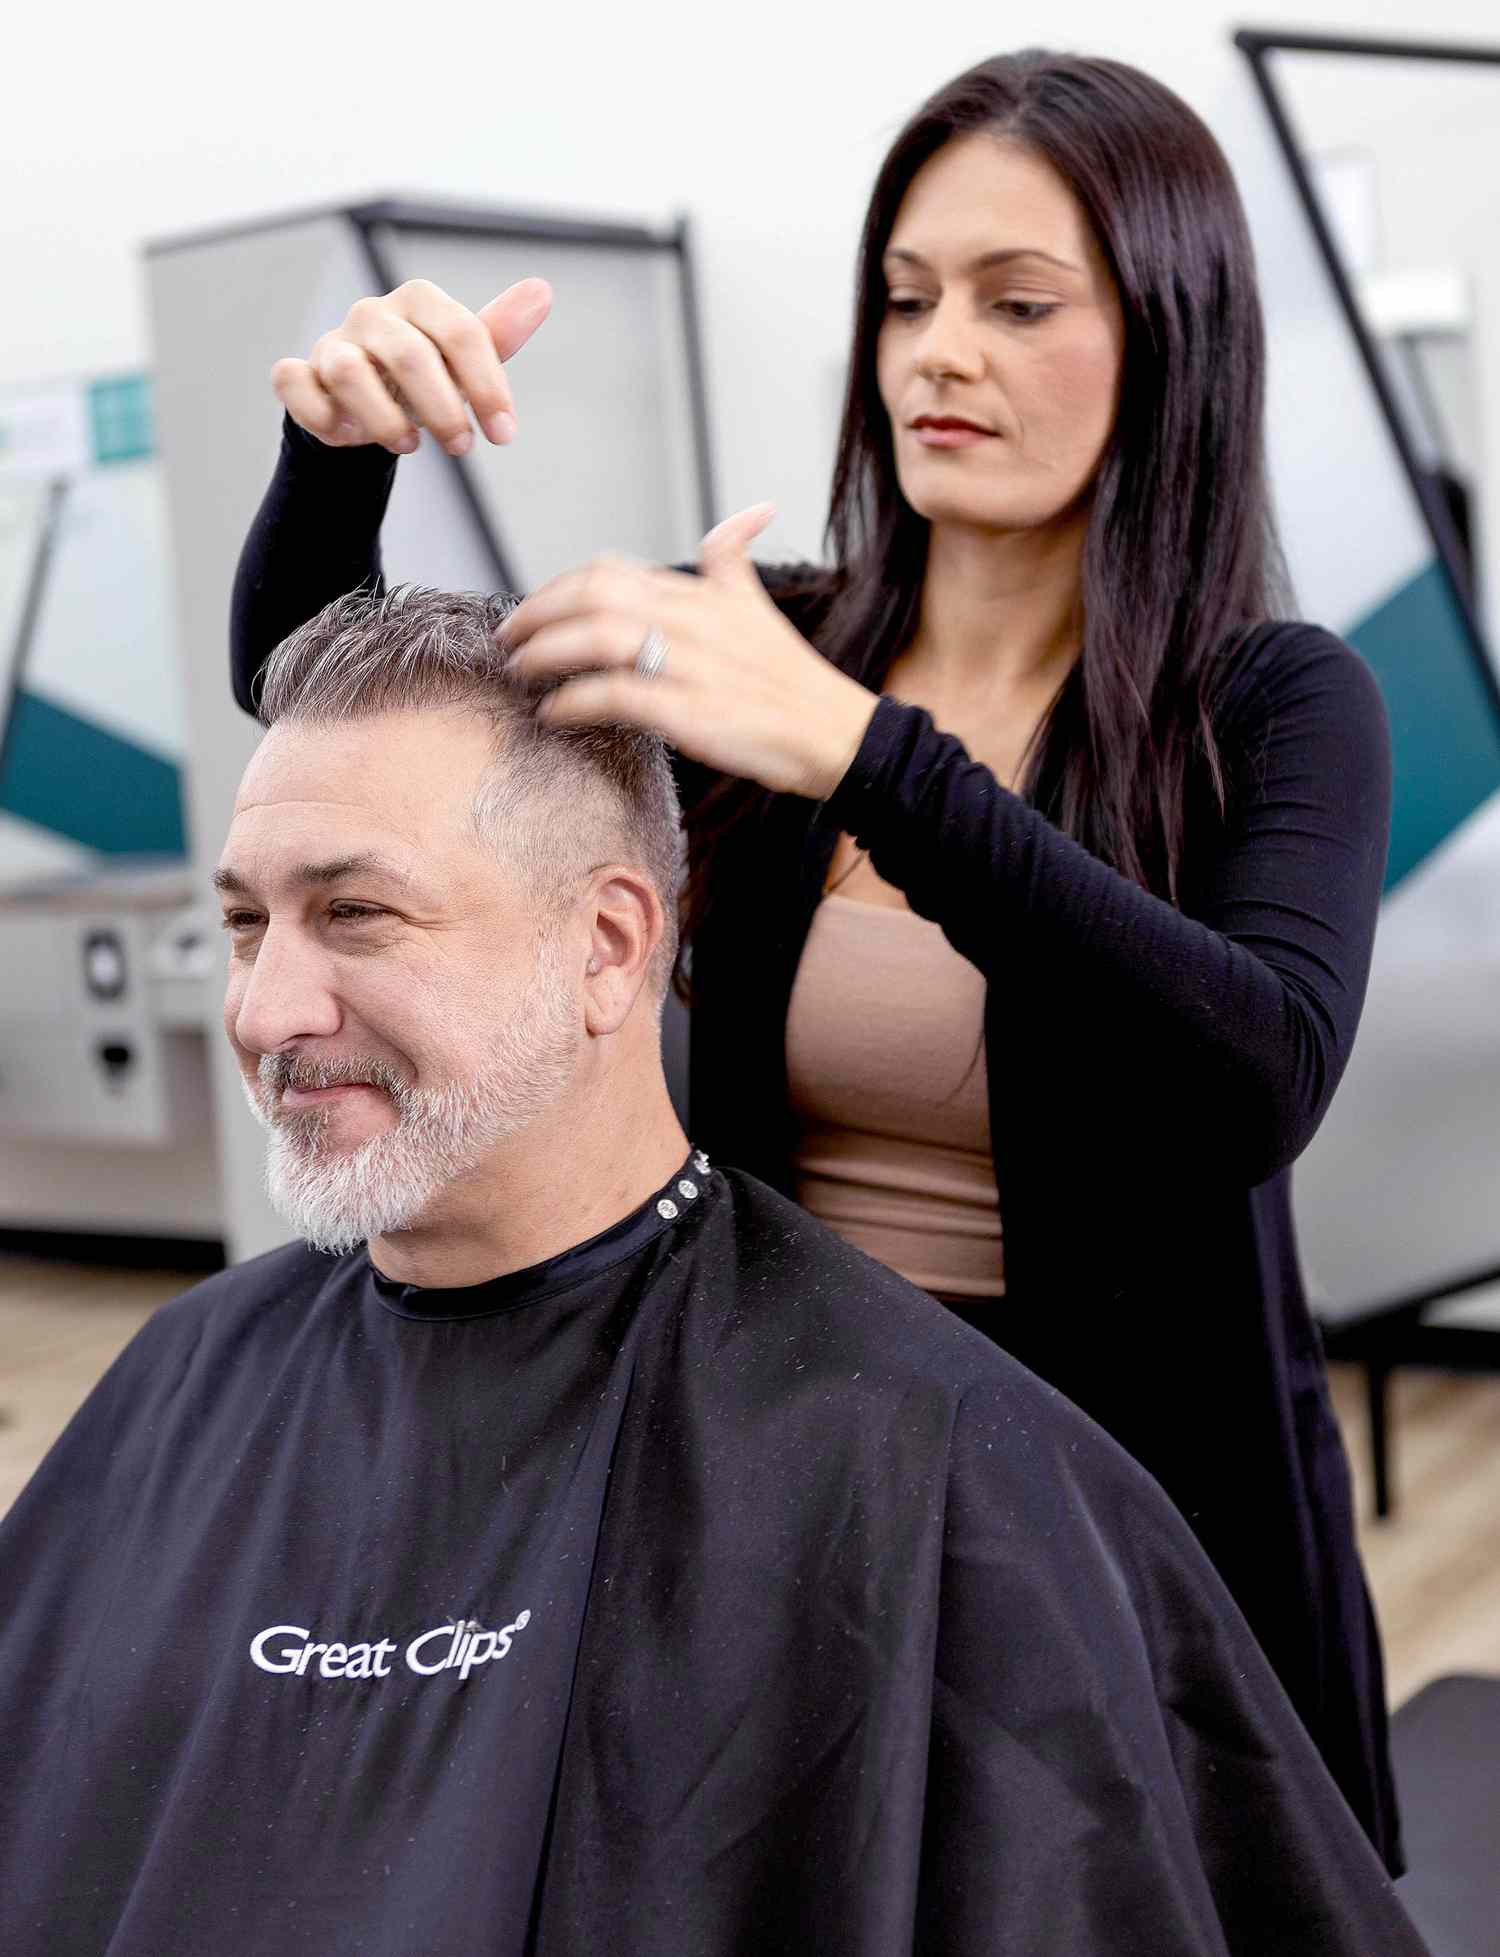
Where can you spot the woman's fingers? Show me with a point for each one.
(409, 360)
(470, 356)
(597, 699)
(582, 644)
(722, 553)
(307, 401)
(473, 347)
(608, 585)
(415, 358)
(359, 391)
(511, 318)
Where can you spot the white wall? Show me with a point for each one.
(121, 125)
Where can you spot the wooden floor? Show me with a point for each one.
(1434, 1568)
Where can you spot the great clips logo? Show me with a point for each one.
(448, 1648)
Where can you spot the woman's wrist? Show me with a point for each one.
(305, 450)
(840, 736)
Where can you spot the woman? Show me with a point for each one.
(1042, 1006)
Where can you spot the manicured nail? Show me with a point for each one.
(501, 426)
(461, 444)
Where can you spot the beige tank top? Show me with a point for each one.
(886, 1069)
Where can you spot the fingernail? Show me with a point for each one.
(461, 444)
(501, 426)
(407, 444)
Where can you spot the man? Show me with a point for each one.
(569, 1546)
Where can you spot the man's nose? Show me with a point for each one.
(287, 994)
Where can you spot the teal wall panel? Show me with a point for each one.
(1445, 729)
(120, 418)
(79, 780)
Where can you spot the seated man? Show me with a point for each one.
(568, 1546)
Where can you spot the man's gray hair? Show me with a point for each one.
(558, 801)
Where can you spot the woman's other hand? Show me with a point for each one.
(415, 359)
(737, 689)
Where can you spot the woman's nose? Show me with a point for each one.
(949, 348)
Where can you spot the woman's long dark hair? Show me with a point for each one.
(1180, 554)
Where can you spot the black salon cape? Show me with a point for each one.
(1152, 1072)
(815, 1624)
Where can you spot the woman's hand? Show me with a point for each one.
(739, 689)
(415, 359)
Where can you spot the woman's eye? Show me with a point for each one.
(1022, 312)
(1026, 312)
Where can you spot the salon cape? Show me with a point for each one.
(704, 1590)
(1153, 1071)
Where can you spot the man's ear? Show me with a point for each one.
(626, 924)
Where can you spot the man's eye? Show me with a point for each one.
(353, 913)
(241, 920)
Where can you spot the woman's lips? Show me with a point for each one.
(950, 434)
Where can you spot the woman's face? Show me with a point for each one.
(999, 355)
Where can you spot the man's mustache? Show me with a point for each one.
(279, 1071)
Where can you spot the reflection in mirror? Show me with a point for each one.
(1389, 496)
(1396, 150)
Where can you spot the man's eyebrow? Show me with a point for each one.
(307, 875)
(987, 258)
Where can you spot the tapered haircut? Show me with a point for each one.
(557, 801)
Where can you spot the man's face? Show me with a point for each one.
(395, 1002)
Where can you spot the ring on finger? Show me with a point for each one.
(652, 655)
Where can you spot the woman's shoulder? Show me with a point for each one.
(1290, 667)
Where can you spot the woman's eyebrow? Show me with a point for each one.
(904, 256)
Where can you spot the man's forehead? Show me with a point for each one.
(405, 777)
(388, 762)
(281, 838)
(395, 791)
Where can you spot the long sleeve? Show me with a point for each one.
(1248, 1006)
(315, 537)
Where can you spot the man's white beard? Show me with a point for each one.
(340, 1198)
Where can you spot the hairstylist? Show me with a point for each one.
(1034, 868)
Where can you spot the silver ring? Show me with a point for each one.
(652, 655)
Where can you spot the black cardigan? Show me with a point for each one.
(1153, 1072)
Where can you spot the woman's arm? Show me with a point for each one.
(1247, 1008)
(415, 359)
(315, 537)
